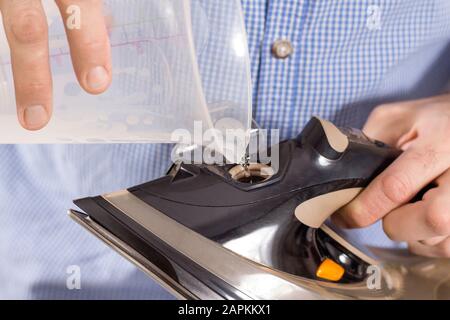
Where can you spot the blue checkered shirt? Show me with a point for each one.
(348, 57)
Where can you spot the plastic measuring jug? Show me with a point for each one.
(175, 63)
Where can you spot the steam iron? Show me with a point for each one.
(230, 232)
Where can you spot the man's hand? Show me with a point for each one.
(27, 33)
(422, 129)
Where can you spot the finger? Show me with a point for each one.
(397, 185)
(388, 123)
(89, 43)
(433, 241)
(441, 250)
(27, 33)
(428, 219)
(421, 220)
(443, 181)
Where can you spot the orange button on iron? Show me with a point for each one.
(330, 270)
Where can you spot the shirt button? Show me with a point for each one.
(282, 49)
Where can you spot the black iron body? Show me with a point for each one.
(254, 220)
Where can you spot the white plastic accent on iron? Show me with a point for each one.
(337, 140)
(314, 212)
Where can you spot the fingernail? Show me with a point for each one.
(35, 117)
(97, 78)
